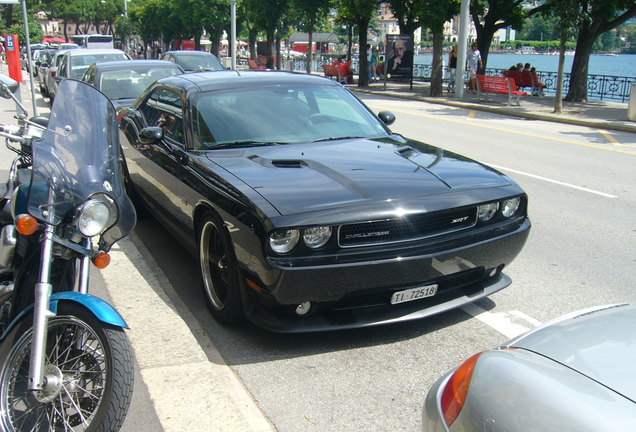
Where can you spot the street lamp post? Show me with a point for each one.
(127, 26)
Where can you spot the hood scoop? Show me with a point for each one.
(284, 163)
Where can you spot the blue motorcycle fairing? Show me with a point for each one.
(102, 310)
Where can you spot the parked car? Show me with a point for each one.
(24, 60)
(575, 373)
(67, 45)
(42, 65)
(51, 72)
(306, 212)
(123, 81)
(74, 63)
(194, 61)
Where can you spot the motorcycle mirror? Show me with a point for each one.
(8, 86)
(150, 135)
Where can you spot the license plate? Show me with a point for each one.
(414, 294)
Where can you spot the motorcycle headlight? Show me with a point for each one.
(283, 241)
(317, 237)
(93, 218)
(485, 212)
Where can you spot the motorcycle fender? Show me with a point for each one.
(102, 310)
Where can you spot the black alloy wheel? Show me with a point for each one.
(219, 271)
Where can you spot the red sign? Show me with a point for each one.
(12, 48)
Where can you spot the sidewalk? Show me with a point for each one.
(595, 114)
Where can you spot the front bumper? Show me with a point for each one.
(358, 294)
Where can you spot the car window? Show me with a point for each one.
(199, 62)
(61, 71)
(163, 109)
(79, 63)
(280, 114)
(128, 84)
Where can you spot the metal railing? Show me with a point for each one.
(603, 87)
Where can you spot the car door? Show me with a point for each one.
(158, 170)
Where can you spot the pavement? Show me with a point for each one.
(185, 383)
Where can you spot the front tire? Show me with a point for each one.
(219, 271)
(92, 363)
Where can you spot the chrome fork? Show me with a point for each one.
(41, 314)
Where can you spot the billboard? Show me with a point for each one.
(399, 55)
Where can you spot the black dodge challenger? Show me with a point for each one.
(306, 212)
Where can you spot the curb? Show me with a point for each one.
(555, 118)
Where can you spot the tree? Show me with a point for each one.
(267, 16)
(407, 13)
(433, 14)
(308, 14)
(565, 11)
(359, 13)
(489, 16)
(539, 27)
(596, 17)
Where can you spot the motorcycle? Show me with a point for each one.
(65, 360)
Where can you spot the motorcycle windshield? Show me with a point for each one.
(79, 157)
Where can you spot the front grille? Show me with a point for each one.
(406, 228)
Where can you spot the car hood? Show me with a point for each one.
(599, 343)
(302, 177)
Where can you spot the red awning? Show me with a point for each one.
(53, 39)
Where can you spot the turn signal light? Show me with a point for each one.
(102, 260)
(456, 389)
(27, 225)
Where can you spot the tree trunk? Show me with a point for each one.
(349, 40)
(310, 47)
(252, 42)
(578, 75)
(278, 56)
(197, 42)
(437, 72)
(484, 40)
(363, 65)
(270, 48)
(558, 102)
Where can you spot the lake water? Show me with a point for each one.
(619, 65)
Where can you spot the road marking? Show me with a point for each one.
(581, 188)
(506, 323)
(512, 131)
(612, 139)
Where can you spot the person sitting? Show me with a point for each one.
(346, 71)
(537, 90)
(513, 68)
(526, 67)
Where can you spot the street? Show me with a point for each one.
(581, 252)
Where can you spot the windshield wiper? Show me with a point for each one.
(338, 138)
(246, 143)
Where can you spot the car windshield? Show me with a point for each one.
(280, 114)
(199, 62)
(80, 63)
(128, 84)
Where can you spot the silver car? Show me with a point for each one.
(576, 373)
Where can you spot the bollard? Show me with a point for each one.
(631, 108)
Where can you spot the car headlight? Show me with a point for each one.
(317, 237)
(510, 206)
(93, 219)
(283, 241)
(485, 212)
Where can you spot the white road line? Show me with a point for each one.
(538, 177)
(506, 323)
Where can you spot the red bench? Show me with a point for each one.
(496, 84)
(253, 65)
(526, 79)
(333, 71)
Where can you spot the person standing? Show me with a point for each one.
(452, 68)
(473, 65)
(373, 65)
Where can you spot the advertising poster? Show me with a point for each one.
(399, 57)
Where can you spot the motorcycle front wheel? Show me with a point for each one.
(89, 367)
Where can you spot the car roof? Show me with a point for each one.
(83, 51)
(189, 52)
(217, 80)
(129, 64)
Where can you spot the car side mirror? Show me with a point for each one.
(8, 86)
(150, 135)
(387, 117)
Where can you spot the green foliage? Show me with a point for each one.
(539, 28)
(16, 26)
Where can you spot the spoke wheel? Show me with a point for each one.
(219, 271)
(89, 376)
